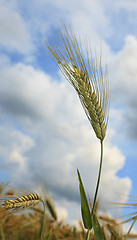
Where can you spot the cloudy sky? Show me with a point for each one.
(44, 133)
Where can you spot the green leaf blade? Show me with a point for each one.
(85, 211)
(99, 235)
(49, 234)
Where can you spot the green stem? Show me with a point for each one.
(88, 234)
(2, 235)
(99, 175)
(43, 223)
(130, 228)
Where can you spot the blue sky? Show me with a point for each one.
(45, 134)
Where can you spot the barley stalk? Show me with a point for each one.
(86, 75)
(90, 81)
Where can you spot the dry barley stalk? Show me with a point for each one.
(85, 74)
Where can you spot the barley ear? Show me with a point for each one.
(51, 208)
(20, 203)
(85, 74)
(13, 204)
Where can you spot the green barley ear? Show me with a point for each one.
(51, 208)
(85, 74)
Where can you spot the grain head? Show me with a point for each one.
(19, 201)
(85, 74)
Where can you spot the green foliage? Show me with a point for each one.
(48, 235)
(85, 211)
(86, 214)
(97, 228)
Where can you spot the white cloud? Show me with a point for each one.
(114, 161)
(88, 18)
(13, 150)
(124, 67)
(62, 213)
(4, 60)
(123, 75)
(14, 32)
(128, 5)
(25, 92)
(62, 139)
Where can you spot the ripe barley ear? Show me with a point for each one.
(22, 202)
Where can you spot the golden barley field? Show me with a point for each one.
(18, 224)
